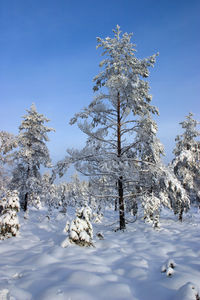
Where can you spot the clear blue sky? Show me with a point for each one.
(48, 56)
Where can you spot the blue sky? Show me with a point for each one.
(48, 56)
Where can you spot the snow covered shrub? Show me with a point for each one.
(188, 291)
(5, 294)
(168, 267)
(80, 231)
(9, 223)
(100, 235)
(2, 199)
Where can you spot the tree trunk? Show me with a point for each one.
(122, 224)
(180, 217)
(25, 202)
(26, 195)
(116, 204)
(116, 200)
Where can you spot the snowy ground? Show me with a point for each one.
(125, 265)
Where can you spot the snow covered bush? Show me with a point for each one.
(5, 294)
(188, 291)
(9, 223)
(80, 231)
(168, 268)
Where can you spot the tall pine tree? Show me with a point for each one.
(110, 119)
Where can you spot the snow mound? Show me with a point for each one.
(189, 291)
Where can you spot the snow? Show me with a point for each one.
(188, 292)
(122, 265)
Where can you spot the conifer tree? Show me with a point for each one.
(8, 142)
(158, 186)
(186, 164)
(9, 223)
(149, 150)
(80, 230)
(32, 154)
(110, 119)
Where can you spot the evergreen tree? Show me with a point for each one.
(158, 186)
(110, 119)
(80, 231)
(9, 223)
(149, 150)
(49, 193)
(186, 164)
(8, 142)
(32, 154)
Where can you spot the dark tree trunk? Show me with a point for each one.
(122, 224)
(115, 204)
(25, 202)
(116, 200)
(26, 195)
(180, 217)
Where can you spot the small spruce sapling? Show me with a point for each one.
(80, 231)
(9, 223)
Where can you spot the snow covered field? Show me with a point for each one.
(124, 265)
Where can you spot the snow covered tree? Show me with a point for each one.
(110, 119)
(80, 230)
(77, 191)
(157, 186)
(152, 206)
(7, 143)
(149, 150)
(148, 146)
(9, 223)
(32, 154)
(49, 193)
(173, 194)
(186, 164)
